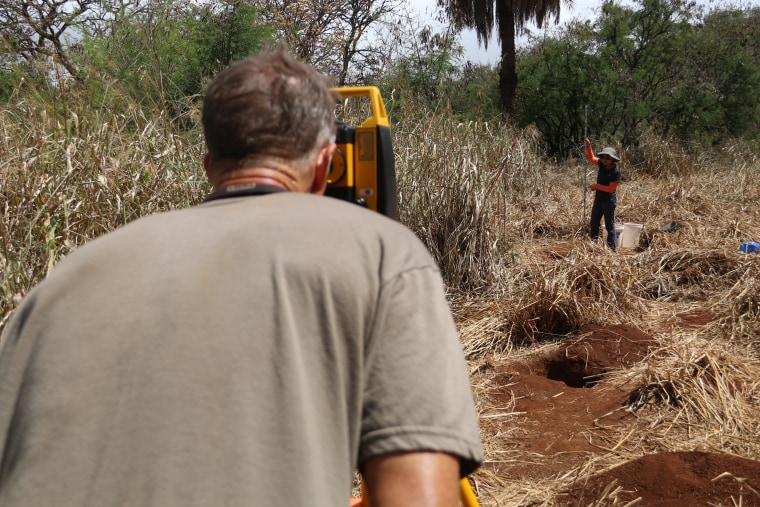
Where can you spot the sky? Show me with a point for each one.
(581, 9)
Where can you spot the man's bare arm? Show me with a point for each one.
(419, 479)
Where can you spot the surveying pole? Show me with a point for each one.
(585, 186)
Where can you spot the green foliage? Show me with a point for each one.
(558, 78)
(226, 33)
(19, 77)
(8, 80)
(166, 54)
(429, 76)
(435, 83)
(474, 94)
(656, 66)
(728, 51)
(644, 49)
(420, 75)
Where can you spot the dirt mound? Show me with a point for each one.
(560, 415)
(674, 479)
(694, 319)
(561, 405)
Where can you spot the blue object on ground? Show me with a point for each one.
(750, 246)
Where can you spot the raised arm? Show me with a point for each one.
(590, 152)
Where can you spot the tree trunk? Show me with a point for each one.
(508, 69)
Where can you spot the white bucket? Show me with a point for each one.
(631, 233)
(619, 229)
(618, 234)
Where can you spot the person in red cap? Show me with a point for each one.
(605, 200)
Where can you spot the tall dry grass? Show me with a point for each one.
(456, 183)
(504, 224)
(72, 173)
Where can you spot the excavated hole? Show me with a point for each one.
(584, 363)
(574, 372)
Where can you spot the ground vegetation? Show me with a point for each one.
(601, 379)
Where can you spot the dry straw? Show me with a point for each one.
(688, 286)
(71, 174)
(504, 225)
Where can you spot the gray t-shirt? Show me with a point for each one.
(247, 351)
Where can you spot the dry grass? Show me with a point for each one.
(71, 175)
(738, 309)
(704, 394)
(506, 228)
(700, 390)
(457, 182)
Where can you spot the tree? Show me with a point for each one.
(724, 60)
(166, 53)
(558, 76)
(474, 93)
(510, 16)
(224, 31)
(356, 18)
(632, 66)
(417, 68)
(423, 72)
(34, 29)
(644, 49)
(313, 29)
(650, 66)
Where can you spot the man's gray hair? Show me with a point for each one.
(268, 106)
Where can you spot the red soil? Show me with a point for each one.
(563, 414)
(678, 479)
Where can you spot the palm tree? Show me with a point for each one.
(511, 16)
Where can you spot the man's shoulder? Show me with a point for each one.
(120, 244)
(333, 212)
(351, 226)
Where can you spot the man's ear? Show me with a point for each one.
(322, 169)
(207, 164)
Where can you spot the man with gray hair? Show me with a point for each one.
(253, 350)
